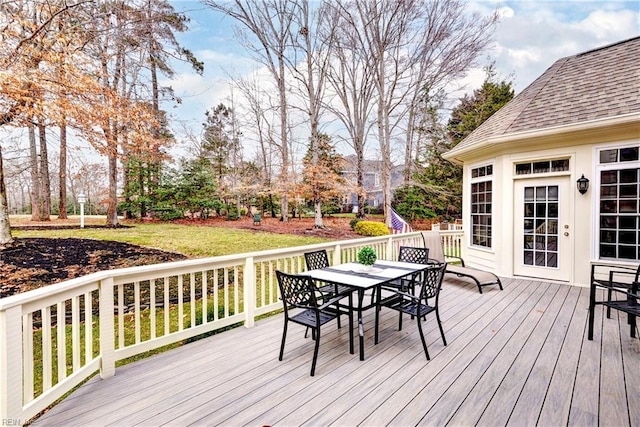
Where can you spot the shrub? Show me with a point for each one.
(371, 228)
(353, 223)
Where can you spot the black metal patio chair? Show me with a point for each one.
(301, 306)
(621, 284)
(320, 259)
(416, 305)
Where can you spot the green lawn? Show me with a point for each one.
(192, 241)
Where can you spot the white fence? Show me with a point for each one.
(53, 338)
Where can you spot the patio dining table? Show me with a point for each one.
(359, 278)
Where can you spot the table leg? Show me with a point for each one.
(360, 323)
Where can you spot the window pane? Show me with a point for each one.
(523, 169)
(541, 167)
(628, 206)
(541, 193)
(629, 175)
(553, 210)
(528, 193)
(609, 177)
(629, 154)
(552, 259)
(553, 192)
(629, 191)
(609, 191)
(608, 222)
(490, 170)
(607, 251)
(627, 252)
(627, 237)
(608, 206)
(608, 156)
(629, 223)
(540, 258)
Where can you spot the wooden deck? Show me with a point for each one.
(518, 357)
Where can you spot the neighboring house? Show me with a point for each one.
(524, 212)
(372, 182)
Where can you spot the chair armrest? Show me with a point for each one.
(332, 301)
(400, 293)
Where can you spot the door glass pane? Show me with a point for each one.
(540, 226)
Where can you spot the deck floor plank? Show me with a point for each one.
(520, 355)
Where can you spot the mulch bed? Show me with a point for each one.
(30, 263)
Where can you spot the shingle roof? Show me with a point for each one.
(596, 84)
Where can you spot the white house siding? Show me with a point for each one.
(580, 148)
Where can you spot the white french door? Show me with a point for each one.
(542, 231)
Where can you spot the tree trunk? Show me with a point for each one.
(45, 187)
(5, 226)
(112, 207)
(36, 206)
(62, 210)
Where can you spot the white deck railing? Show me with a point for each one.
(53, 338)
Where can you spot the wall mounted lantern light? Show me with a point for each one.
(583, 184)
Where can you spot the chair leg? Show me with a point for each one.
(592, 310)
(609, 293)
(399, 320)
(444, 340)
(351, 349)
(424, 343)
(375, 334)
(284, 337)
(315, 351)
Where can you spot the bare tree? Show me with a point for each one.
(266, 32)
(436, 41)
(314, 40)
(351, 83)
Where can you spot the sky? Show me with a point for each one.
(530, 37)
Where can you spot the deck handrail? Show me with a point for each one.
(133, 310)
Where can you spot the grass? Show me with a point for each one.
(192, 241)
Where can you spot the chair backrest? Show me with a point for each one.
(316, 259)
(431, 282)
(414, 255)
(296, 291)
(433, 241)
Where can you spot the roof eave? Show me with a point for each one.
(627, 124)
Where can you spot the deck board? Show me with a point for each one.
(518, 356)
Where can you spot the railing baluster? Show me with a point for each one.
(226, 292)
(61, 320)
(192, 297)
(216, 295)
(180, 302)
(136, 310)
(204, 297)
(75, 331)
(167, 307)
(88, 328)
(236, 291)
(121, 307)
(152, 308)
(47, 362)
(27, 339)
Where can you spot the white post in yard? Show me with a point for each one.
(82, 199)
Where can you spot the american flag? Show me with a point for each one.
(398, 224)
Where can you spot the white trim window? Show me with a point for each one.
(481, 205)
(618, 174)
